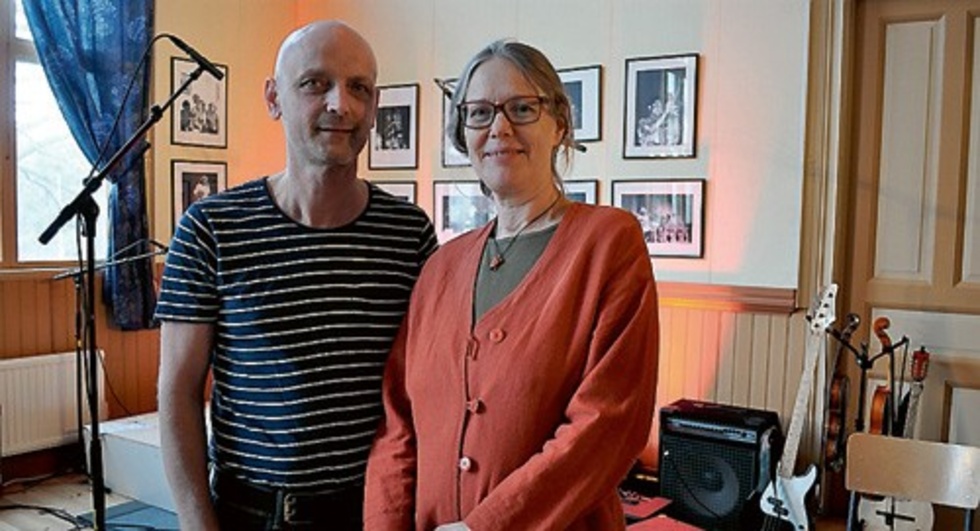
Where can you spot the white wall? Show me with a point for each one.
(751, 103)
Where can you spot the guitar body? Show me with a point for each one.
(785, 499)
(897, 515)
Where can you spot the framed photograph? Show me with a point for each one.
(582, 190)
(661, 107)
(460, 206)
(199, 115)
(395, 137)
(584, 89)
(194, 180)
(671, 213)
(399, 189)
(451, 157)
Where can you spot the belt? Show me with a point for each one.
(293, 507)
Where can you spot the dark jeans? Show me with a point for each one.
(243, 506)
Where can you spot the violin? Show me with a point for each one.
(835, 432)
(879, 420)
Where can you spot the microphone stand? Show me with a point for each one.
(87, 211)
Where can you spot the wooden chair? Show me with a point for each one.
(940, 473)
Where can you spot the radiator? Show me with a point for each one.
(37, 403)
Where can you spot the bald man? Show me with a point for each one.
(288, 290)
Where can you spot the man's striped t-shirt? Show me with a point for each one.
(304, 320)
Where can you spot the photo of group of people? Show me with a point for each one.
(196, 115)
(200, 111)
(669, 213)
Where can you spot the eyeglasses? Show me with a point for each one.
(519, 110)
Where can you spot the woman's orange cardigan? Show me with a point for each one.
(529, 418)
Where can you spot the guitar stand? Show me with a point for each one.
(865, 363)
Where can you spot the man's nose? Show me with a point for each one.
(336, 100)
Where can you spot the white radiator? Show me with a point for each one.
(37, 403)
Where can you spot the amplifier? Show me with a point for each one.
(715, 460)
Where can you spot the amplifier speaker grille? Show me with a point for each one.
(712, 480)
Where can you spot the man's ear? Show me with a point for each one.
(271, 96)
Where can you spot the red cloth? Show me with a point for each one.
(530, 418)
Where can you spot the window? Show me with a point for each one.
(47, 165)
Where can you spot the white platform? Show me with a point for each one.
(131, 459)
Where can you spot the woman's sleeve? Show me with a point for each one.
(607, 421)
(389, 496)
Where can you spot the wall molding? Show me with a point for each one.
(740, 299)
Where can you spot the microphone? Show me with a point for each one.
(445, 87)
(198, 58)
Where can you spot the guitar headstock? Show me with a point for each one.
(920, 364)
(822, 311)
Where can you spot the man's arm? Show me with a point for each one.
(185, 351)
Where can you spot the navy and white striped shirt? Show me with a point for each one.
(304, 321)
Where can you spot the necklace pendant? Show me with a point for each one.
(496, 262)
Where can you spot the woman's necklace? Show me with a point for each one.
(498, 257)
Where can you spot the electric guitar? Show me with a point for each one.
(892, 513)
(783, 500)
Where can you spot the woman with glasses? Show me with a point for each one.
(521, 387)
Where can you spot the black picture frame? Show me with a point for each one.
(582, 190)
(670, 212)
(459, 207)
(199, 115)
(394, 140)
(192, 180)
(583, 86)
(451, 157)
(660, 107)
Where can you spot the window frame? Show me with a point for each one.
(12, 51)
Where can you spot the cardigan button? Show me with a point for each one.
(497, 335)
(474, 406)
(465, 463)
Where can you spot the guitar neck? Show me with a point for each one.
(788, 462)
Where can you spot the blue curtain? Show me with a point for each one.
(90, 50)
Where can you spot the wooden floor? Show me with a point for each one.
(71, 495)
(57, 500)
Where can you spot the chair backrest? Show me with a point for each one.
(942, 473)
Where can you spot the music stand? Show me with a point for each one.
(76, 276)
